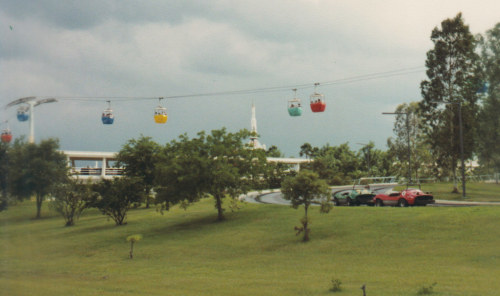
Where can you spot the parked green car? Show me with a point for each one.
(353, 197)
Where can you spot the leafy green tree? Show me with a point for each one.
(453, 72)
(375, 162)
(274, 172)
(139, 157)
(217, 165)
(116, 197)
(489, 116)
(35, 168)
(308, 151)
(303, 189)
(71, 199)
(4, 170)
(337, 164)
(421, 159)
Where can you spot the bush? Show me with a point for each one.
(70, 199)
(426, 290)
(336, 285)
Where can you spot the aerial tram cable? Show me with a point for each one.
(341, 81)
(317, 101)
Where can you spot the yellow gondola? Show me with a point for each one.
(160, 113)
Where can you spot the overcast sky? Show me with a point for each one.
(149, 49)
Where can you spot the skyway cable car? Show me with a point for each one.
(107, 115)
(317, 101)
(294, 107)
(160, 113)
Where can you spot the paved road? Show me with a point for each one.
(275, 197)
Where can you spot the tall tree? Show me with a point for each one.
(453, 73)
(302, 190)
(139, 157)
(419, 152)
(35, 168)
(218, 164)
(489, 117)
(4, 171)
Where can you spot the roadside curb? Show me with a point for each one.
(466, 203)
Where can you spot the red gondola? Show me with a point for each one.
(6, 136)
(317, 100)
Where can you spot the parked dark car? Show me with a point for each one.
(353, 197)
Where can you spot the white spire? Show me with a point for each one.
(254, 139)
(253, 121)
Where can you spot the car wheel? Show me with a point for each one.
(378, 203)
(336, 202)
(402, 203)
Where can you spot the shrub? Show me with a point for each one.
(426, 290)
(336, 285)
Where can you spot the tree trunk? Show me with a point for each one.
(148, 190)
(454, 170)
(306, 221)
(39, 200)
(131, 249)
(218, 205)
(455, 183)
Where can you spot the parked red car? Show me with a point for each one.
(404, 198)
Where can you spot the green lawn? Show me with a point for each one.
(475, 191)
(395, 251)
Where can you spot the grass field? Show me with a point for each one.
(395, 251)
(475, 191)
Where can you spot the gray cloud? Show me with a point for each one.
(163, 48)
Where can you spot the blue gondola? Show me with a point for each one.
(107, 115)
(22, 113)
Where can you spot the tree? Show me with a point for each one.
(303, 189)
(453, 73)
(274, 172)
(139, 157)
(489, 116)
(35, 168)
(115, 197)
(308, 151)
(71, 199)
(4, 170)
(421, 159)
(337, 164)
(133, 239)
(217, 165)
(375, 161)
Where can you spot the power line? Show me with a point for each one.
(372, 76)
